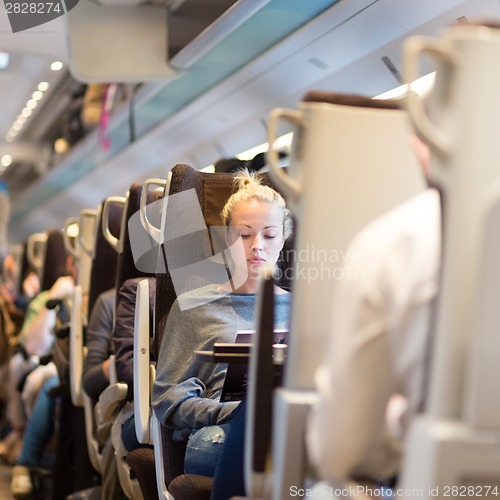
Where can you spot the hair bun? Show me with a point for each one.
(244, 179)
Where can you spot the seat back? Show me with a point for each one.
(183, 225)
(46, 254)
(126, 267)
(35, 252)
(54, 263)
(102, 278)
(104, 257)
(351, 162)
(462, 399)
(211, 192)
(80, 247)
(336, 187)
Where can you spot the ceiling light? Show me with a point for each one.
(282, 142)
(26, 112)
(21, 119)
(37, 95)
(6, 160)
(56, 66)
(209, 169)
(422, 86)
(4, 60)
(32, 104)
(9, 138)
(72, 230)
(17, 126)
(61, 146)
(43, 86)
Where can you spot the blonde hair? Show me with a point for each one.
(250, 186)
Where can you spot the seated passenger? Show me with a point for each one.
(35, 340)
(40, 427)
(39, 431)
(123, 339)
(377, 348)
(95, 376)
(186, 393)
(30, 285)
(11, 316)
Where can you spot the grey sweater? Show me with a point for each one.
(186, 392)
(99, 345)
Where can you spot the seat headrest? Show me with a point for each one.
(126, 268)
(353, 100)
(54, 264)
(103, 272)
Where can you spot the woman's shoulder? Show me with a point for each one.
(198, 297)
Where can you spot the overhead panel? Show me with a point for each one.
(123, 43)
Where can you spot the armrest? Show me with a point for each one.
(76, 348)
(259, 411)
(142, 373)
(112, 400)
(92, 444)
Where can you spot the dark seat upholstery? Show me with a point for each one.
(102, 278)
(54, 259)
(104, 262)
(126, 268)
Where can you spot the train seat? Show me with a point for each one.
(211, 192)
(126, 269)
(80, 248)
(450, 445)
(330, 176)
(102, 278)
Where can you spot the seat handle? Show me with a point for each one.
(290, 187)
(35, 257)
(153, 231)
(71, 248)
(108, 236)
(436, 138)
(91, 215)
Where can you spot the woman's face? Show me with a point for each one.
(260, 225)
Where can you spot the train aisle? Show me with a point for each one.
(5, 477)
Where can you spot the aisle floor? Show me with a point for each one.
(5, 476)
